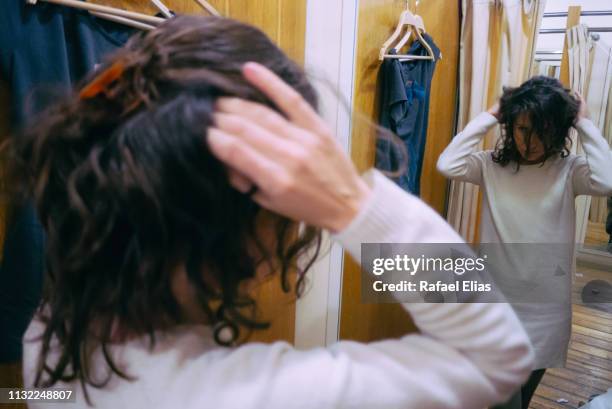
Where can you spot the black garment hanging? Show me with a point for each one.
(42, 47)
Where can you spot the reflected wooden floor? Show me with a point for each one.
(589, 365)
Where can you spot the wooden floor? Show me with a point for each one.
(589, 366)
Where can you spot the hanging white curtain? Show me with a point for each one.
(590, 69)
(579, 44)
(598, 99)
(602, 206)
(497, 48)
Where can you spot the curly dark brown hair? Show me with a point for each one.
(127, 190)
(552, 111)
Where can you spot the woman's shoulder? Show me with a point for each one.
(569, 161)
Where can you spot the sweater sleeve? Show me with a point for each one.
(466, 356)
(592, 174)
(459, 161)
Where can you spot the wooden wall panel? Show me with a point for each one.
(283, 20)
(376, 21)
(443, 24)
(262, 13)
(292, 29)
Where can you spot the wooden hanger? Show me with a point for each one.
(168, 14)
(162, 8)
(130, 18)
(122, 20)
(404, 40)
(413, 23)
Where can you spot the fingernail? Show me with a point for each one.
(224, 103)
(251, 67)
(214, 137)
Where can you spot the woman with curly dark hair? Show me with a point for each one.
(529, 184)
(156, 183)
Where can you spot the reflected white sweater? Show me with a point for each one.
(534, 205)
(466, 356)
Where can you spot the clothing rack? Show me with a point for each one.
(134, 19)
(583, 13)
(562, 30)
(548, 55)
(77, 4)
(592, 30)
(559, 53)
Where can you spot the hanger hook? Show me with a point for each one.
(412, 5)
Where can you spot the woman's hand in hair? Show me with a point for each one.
(494, 110)
(295, 163)
(583, 111)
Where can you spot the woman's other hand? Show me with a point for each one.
(297, 167)
(583, 111)
(494, 110)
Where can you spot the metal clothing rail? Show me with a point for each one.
(556, 55)
(583, 13)
(548, 55)
(563, 30)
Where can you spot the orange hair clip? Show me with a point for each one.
(102, 81)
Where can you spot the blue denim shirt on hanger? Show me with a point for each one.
(404, 110)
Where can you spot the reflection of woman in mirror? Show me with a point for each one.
(530, 181)
(144, 184)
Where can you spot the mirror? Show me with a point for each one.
(591, 73)
(590, 46)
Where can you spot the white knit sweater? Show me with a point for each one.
(534, 205)
(466, 356)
